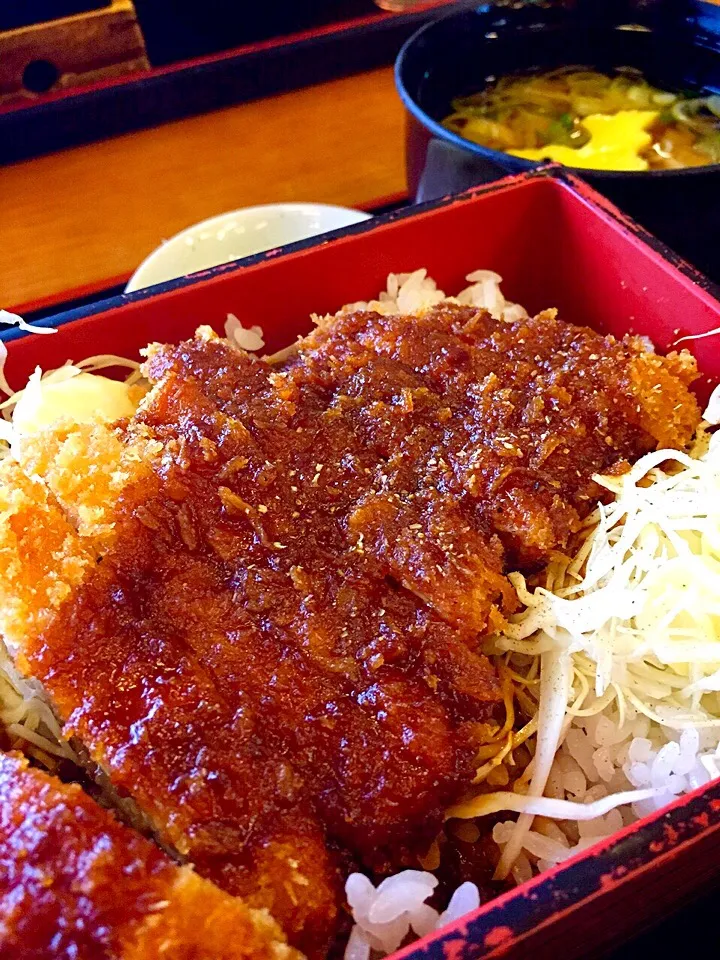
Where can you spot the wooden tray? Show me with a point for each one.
(103, 109)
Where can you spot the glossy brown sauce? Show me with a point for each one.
(75, 883)
(279, 658)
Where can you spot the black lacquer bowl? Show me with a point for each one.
(458, 54)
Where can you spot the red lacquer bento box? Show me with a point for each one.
(555, 243)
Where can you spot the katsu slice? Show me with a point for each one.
(510, 419)
(149, 715)
(76, 883)
(282, 611)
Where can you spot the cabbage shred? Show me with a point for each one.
(640, 613)
(628, 626)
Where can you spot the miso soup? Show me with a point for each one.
(584, 118)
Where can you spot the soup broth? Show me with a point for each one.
(584, 118)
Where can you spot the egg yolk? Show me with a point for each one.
(616, 140)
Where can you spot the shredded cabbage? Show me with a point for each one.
(490, 803)
(554, 677)
(641, 613)
(630, 625)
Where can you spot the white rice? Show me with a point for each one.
(385, 917)
(415, 292)
(598, 757)
(243, 337)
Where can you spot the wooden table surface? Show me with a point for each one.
(82, 219)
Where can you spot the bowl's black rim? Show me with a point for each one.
(497, 156)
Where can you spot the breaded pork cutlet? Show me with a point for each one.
(76, 883)
(219, 689)
(263, 615)
(506, 421)
(149, 712)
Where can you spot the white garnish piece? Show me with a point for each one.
(246, 338)
(6, 316)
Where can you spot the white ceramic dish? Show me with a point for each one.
(240, 233)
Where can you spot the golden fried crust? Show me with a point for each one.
(665, 409)
(200, 921)
(75, 882)
(86, 467)
(41, 558)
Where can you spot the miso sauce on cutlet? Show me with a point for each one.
(279, 657)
